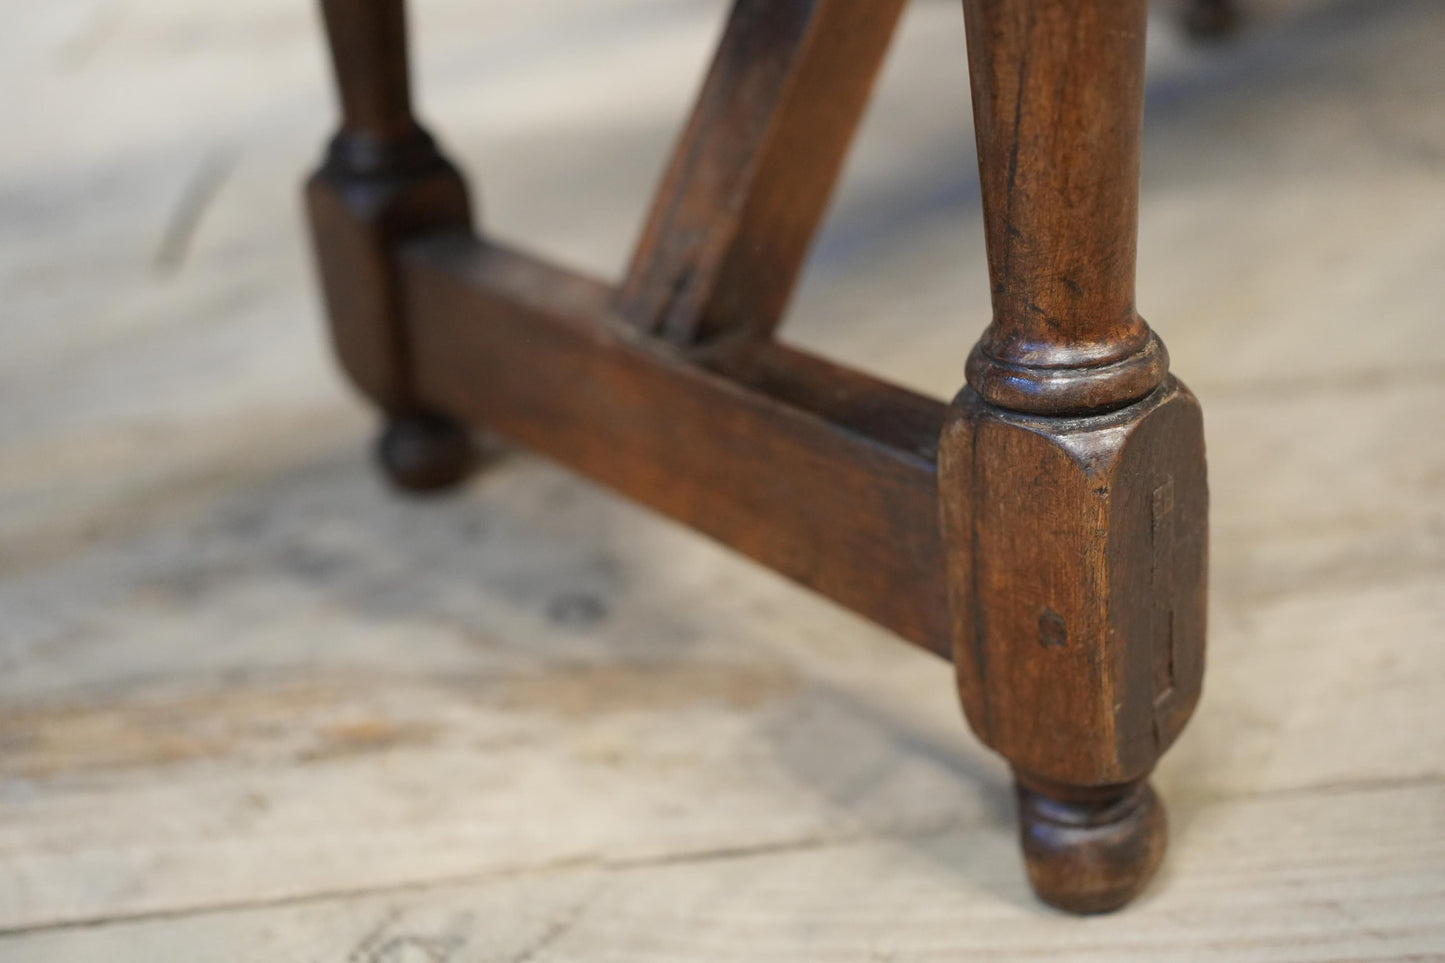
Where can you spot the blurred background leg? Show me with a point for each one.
(382, 180)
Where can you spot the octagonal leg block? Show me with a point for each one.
(1077, 566)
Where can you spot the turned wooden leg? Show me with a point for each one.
(1071, 467)
(383, 180)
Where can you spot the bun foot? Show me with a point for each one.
(425, 452)
(1090, 849)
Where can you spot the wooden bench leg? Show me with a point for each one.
(382, 181)
(1071, 468)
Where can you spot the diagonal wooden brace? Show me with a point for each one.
(753, 171)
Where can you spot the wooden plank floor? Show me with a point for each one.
(254, 708)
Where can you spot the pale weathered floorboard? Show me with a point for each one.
(927, 897)
(253, 707)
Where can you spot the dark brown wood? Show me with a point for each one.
(1076, 549)
(1082, 570)
(751, 175)
(1087, 849)
(422, 451)
(382, 181)
(369, 57)
(1058, 89)
(1071, 470)
(1046, 530)
(824, 475)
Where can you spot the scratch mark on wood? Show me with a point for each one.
(380, 947)
(557, 929)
